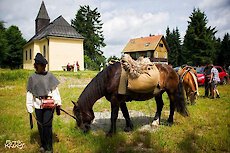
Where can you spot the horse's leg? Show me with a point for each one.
(160, 104)
(129, 124)
(114, 115)
(172, 99)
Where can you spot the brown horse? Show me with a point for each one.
(106, 83)
(189, 79)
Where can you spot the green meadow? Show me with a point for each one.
(207, 129)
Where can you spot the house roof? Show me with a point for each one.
(143, 43)
(58, 28)
(42, 14)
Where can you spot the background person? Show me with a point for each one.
(68, 67)
(214, 80)
(42, 85)
(207, 85)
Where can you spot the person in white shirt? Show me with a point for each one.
(42, 85)
(214, 80)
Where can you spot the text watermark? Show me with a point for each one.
(14, 144)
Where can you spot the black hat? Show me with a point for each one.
(39, 59)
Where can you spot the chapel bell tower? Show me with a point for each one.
(42, 19)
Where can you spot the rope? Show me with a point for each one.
(69, 114)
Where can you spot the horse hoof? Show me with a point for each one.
(169, 123)
(155, 123)
(128, 129)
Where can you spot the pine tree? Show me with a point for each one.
(87, 22)
(199, 40)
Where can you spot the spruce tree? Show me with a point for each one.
(175, 49)
(87, 22)
(224, 54)
(199, 40)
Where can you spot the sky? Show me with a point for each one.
(122, 19)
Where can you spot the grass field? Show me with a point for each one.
(206, 130)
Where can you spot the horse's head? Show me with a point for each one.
(193, 97)
(83, 118)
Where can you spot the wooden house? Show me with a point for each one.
(154, 47)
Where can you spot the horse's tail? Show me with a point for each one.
(180, 100)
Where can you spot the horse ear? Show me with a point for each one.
(74, 103)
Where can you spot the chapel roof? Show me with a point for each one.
(58, 28)
(42, 14)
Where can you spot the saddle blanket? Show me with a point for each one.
(141, 76)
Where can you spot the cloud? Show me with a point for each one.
(122, 20)
(122, 25)
(218, 14)
(213, 5)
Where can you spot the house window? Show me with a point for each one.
(26, 55)
(30, 54)
(142, 54)
(149, 54)
(161, 45)
(44, 51)
(133, 55)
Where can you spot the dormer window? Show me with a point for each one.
(147, 44)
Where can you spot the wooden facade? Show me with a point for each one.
(154, 47)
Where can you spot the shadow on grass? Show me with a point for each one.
(135, 141)
(188, 144)
(104, 123)
(138, 122)
(138, 141)
(35, 138)
(126, 143)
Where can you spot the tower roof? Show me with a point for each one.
(42, 14)
(58, 28)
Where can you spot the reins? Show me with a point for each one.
(69, 114)
(44, 124)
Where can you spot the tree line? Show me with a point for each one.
(199, 46)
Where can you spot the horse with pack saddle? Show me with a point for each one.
(129, 80)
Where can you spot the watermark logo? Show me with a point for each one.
(14, 144)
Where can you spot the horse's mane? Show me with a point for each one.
(95, 89)
(192, 72)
